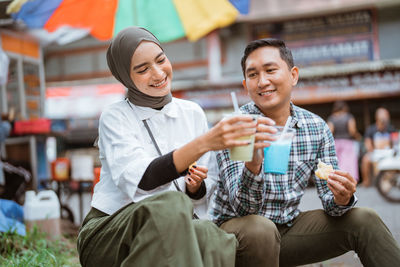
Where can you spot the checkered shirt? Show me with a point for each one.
(276, 196)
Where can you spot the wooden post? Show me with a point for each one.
(367, 118)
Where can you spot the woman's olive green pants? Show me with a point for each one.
(157, 231)
(314, 237)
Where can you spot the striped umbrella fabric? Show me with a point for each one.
(167, 19)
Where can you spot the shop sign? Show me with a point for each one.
(81, 101)
(347, 87)
(326, 40)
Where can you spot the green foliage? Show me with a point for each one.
(36, 250)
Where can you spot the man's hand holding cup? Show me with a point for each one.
(264, 133)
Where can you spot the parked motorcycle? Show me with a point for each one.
(388, 178)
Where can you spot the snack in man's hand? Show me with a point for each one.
(323, 170)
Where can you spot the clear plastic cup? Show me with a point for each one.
(243, 153)
(276, 156)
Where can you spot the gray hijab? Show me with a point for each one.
(119, 55)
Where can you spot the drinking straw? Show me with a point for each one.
(235, 102)
(286, 127)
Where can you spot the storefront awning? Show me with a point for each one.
(350, 68)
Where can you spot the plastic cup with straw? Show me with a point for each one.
(285, 128)
(235, 103)
(276, 156)
(245, 152)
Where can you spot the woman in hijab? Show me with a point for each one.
(147, 143)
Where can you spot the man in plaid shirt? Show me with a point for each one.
(261, 209)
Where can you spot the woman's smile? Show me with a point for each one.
(160, 84)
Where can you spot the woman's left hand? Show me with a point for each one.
(194, 178)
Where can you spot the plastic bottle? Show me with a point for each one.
(43, 210)
(60, 169)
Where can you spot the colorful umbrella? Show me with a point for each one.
(167, 19)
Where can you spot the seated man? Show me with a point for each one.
(377, 138)
(261, 209)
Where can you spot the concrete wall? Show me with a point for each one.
(233, 42)
(59, 61)
(180, 52)
(389, 32)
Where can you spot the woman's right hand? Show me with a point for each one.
(225, 133)
(196, 175)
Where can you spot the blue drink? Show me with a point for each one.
(276, 156)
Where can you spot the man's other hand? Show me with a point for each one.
(343, 186)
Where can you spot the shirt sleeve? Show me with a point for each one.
(208, 160)
(246, 190)
(199, 194)
(327, 154)
(121, 147)
(159, 172)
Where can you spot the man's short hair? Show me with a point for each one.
(284, 52)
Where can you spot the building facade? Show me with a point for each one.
(345, 51)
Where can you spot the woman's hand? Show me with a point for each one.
(225, 133)
(222, 136)
(194, 178)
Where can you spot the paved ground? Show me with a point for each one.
(367, 197)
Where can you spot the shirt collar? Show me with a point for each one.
(144, 113)
(297, 118)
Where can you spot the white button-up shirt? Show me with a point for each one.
(126, 150)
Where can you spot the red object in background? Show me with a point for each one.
(60, 169)
(96, 178)
(34, 126)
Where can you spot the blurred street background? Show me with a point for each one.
(55, 82)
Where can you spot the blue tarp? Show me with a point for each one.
(11, 217)
(36, 13)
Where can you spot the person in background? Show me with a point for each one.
(262, 209)
(343, 127)
(376, 139)
(146, 143)
(5, 129)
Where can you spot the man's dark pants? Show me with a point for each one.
(314, 237)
